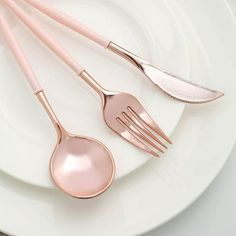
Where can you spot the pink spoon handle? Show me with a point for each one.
(69, 22)
(37, 29)
(19, 55)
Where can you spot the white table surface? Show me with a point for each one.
(214, 213)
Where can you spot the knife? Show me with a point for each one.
(172, 85)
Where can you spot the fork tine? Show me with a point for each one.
(129, 135)
(139, 133)
(139, 126)
(146, 120)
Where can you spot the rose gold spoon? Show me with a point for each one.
(122, 112)
(80, 166)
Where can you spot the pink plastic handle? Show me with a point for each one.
(37, 29)
(69, 22)
(19, 55)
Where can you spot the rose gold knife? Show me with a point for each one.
(172, 85)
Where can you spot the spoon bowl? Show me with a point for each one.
(82, 167)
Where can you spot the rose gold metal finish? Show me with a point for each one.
(172, 85)
(59, 129)
(125, 115)
(80, 166)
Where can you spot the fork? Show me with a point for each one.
(172, 85)
(122, 112)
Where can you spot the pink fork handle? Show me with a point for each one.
(69, 22)
(37, 29)
(19, 55)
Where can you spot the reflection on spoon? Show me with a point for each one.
(82, 167)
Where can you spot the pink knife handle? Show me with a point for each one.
(19, 55)
(68, 21)
(37, 29)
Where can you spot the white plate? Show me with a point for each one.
(27, 136)
(162, 188)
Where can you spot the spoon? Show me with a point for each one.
(80, 166)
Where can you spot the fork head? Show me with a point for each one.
(125, 115)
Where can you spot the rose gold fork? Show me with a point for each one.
(122, 112)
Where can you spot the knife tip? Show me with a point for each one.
(219, 94)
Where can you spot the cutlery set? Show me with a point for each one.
(81, 166)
